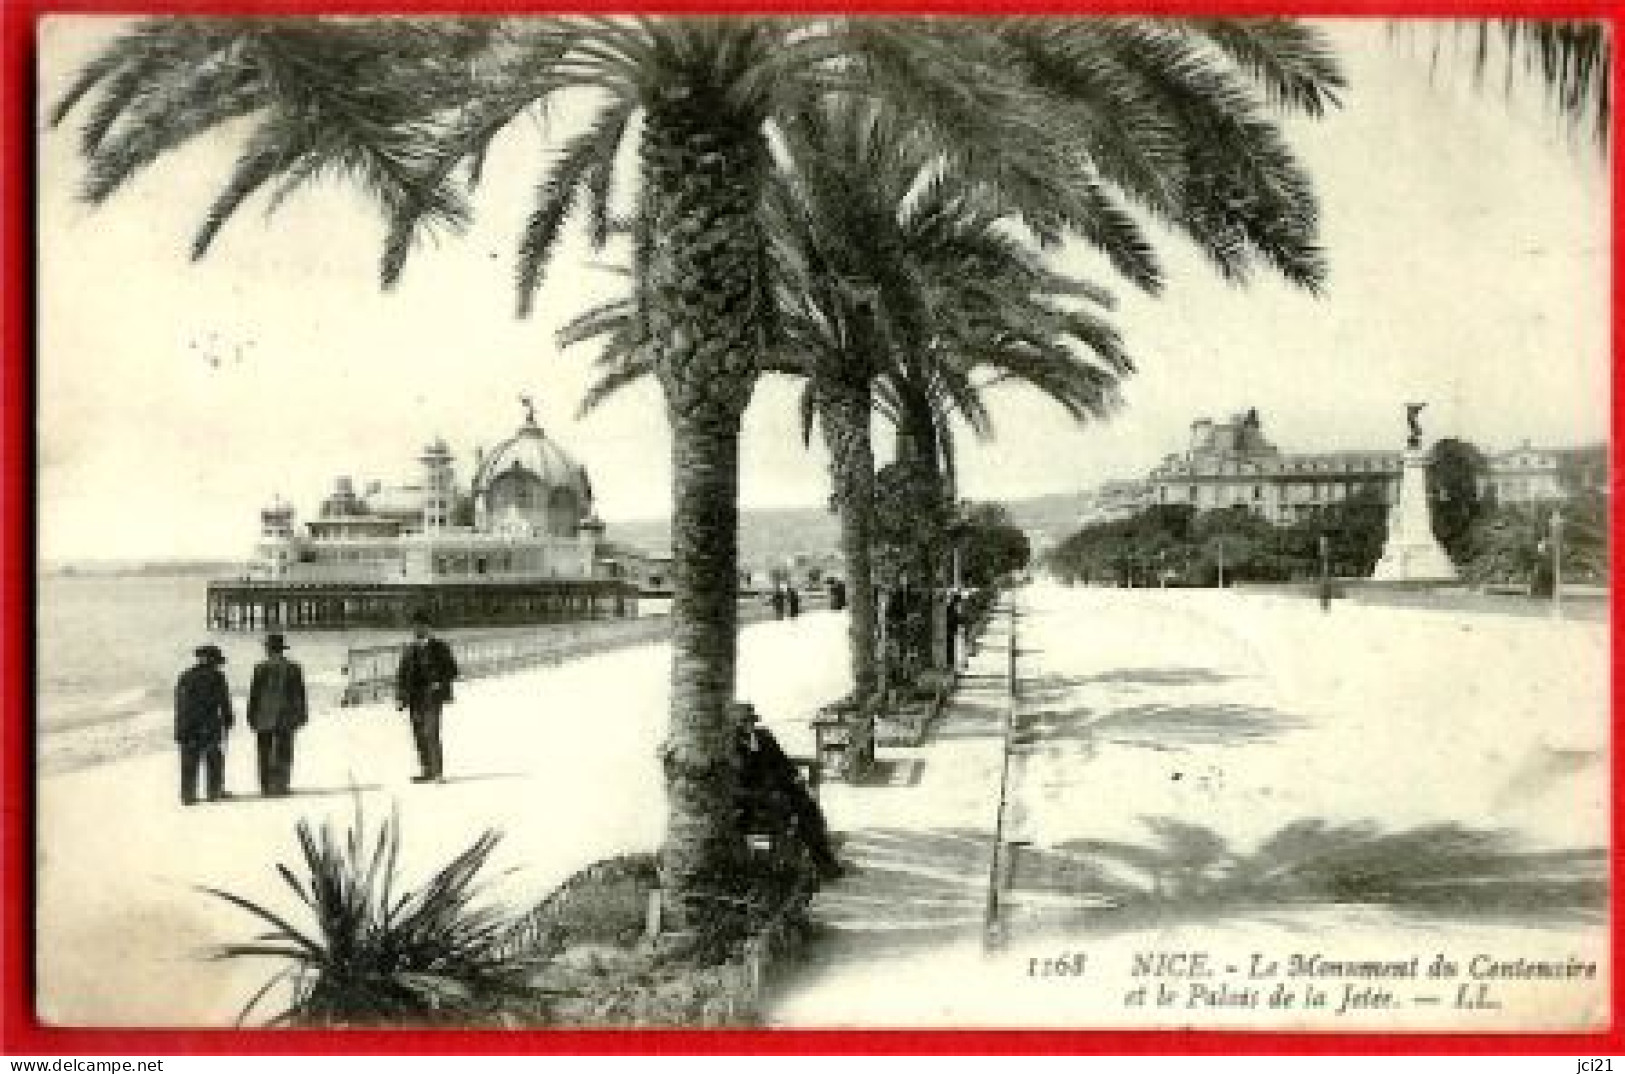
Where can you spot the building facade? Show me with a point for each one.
(1531, 476)
(1232, 464)
(526, 514)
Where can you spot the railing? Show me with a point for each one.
(993, 932)
(369, 671)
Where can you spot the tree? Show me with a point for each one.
(1455, 474)
(1512, 544)
(1129, 551)
(1355, 530)
(1568, 61)
(991, 546)
(1058, 121)
(1233, 543)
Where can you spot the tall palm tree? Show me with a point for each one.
(1568, 61)
(887, 274)
(1060, 121)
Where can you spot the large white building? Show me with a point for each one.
(1231, 464)
(1530, 475)
(526, 513)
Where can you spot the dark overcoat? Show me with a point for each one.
(425, 674)
(202, 704)
(764, 767)
(276, 697)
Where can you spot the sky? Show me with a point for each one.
(1467, 236)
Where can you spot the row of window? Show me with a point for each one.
(1347, 466)
(1217, 494)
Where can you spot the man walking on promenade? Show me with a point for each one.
(202, 720)
(276, 711)
(422, 687)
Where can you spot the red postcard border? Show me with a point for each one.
(20, 1031)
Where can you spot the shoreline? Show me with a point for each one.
(120, 860)
(91, 741)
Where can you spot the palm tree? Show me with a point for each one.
(887, 277)
(1060, 121)
(1568, 61)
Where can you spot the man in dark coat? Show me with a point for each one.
(203, 718)
(422, 687)
(276, 712)
(768, 779)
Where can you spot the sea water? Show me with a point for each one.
(109, 648)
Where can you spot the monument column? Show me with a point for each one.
(1412, 553)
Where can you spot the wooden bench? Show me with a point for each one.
(844, 744)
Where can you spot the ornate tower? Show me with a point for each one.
(437, 486)
(276, 544)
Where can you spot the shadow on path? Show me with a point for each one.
(1188, 872)
(309, 792)
(1152, 676)
(908, 889)
(1159, 727)
(482, 777)
(980, 716)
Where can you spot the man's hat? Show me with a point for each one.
(276, 643)
(421, 618)
(210, 653)
(742, 711)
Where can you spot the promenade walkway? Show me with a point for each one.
(559, 759)
(1212, 777)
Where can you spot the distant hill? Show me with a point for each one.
(158, 568)
(771, 535)
(767, 536)
(1050, 518)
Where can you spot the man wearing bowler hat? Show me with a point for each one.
(276, 711)
(423, 687)
(768, 779)
(202, 720)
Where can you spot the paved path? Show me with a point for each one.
(561, 759)
(1230, 776)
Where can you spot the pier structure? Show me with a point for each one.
(318, 605)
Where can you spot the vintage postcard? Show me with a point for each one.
(1064, 523)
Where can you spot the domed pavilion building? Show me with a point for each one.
(519, 543)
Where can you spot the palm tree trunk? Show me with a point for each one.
(917, 430)
(702, 296)
(702, 841)
(844, 409)
(917, 443)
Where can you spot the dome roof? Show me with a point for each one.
(530, 450)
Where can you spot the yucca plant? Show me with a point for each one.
(377, 955)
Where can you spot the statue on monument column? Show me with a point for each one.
(1412, 553)
(1412, 415)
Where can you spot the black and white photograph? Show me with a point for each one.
(830, 521)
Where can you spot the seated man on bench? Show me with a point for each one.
(768, 782)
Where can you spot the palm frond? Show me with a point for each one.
(1294, 63)
(583, 157)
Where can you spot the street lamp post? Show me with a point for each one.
(1557, 562)
(1325, 575)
